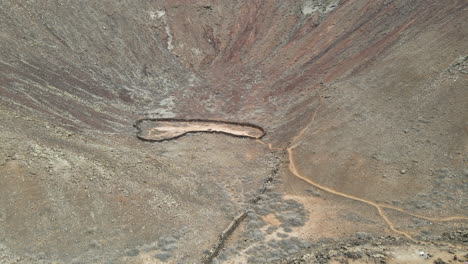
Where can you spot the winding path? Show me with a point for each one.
(379, 207)
(167, 129)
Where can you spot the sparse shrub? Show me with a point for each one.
(133, 252)
(163, 256)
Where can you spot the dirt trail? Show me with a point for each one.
(380, 207)
(160, 130)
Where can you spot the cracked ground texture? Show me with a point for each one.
(365, 98)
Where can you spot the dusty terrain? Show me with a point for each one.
(168, 129)
(364, 103)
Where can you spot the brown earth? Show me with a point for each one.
(364, 103)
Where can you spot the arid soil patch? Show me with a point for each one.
(166, 129)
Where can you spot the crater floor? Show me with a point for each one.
(363, 103)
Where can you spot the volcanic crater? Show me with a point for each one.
(171, 131)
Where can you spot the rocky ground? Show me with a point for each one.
(368, 97)
(81, 202)
(364, 248)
